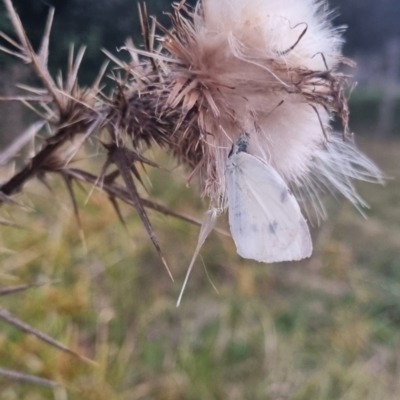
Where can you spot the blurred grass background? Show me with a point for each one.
(326, 328)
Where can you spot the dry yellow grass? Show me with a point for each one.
(322, 329)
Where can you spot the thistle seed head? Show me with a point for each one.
(268, 68)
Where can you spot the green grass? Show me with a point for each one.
(365, 106)
(325, 329)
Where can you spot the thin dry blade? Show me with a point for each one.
(206, 228)
(25, 378)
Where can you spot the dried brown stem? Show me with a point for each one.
(10, 319)
(25, 378)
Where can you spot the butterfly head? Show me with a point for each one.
(240, 145)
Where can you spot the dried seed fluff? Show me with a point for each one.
(267, 68)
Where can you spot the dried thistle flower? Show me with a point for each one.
(265, 67)
(268, 68)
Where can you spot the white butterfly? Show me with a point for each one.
(265, 219)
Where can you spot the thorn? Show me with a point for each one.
(12, 150)
(121, 160)
(20, 377)
(99, 179)
(9, 318)
(72, 76)
(15, 289)
(68, 182)
(44, 48)
(117, 209)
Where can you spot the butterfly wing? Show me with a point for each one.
(265, 219)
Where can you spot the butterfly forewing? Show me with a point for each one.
(264, 217)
